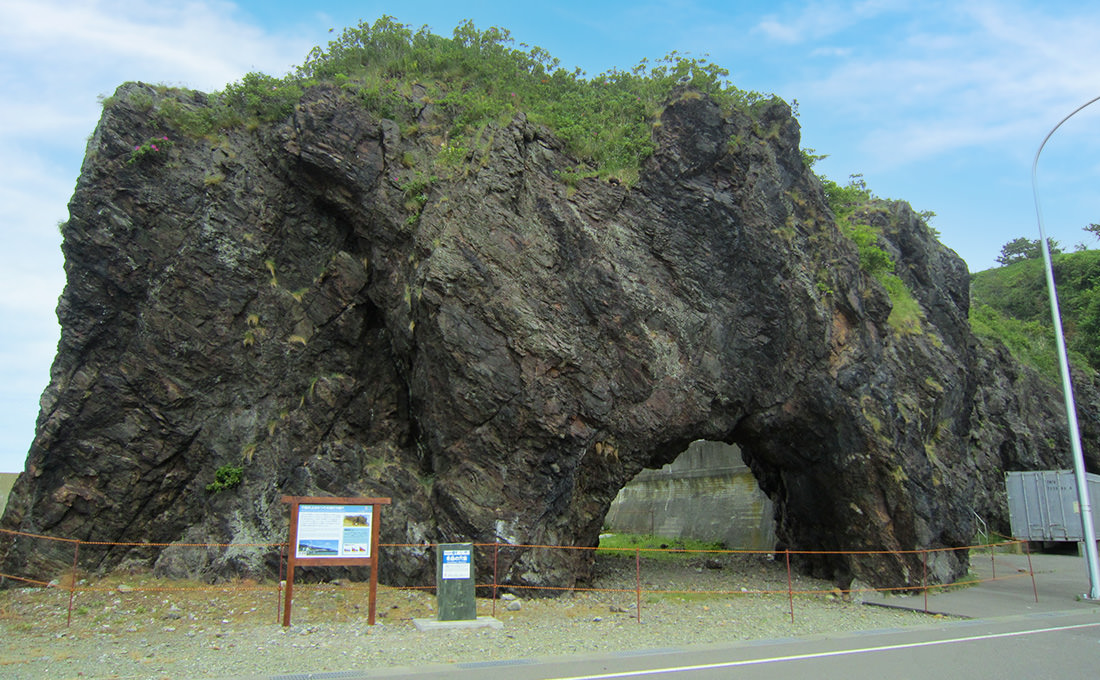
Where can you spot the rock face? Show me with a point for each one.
(330, 306)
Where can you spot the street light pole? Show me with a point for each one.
(1067, 386)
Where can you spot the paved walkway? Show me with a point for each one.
(1006, 589)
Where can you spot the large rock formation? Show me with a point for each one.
(329, 305)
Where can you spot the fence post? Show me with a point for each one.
(496, 549)
(1027, 549)
(279, 587)
(790, 583)
(924, 578)
(72, 585)
(638, 583)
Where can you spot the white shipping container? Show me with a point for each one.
(1043, 504)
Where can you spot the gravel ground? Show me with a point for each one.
(135, 626)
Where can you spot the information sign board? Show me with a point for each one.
(333, 532)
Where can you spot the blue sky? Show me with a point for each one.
(943, 104)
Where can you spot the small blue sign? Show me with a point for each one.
(456, 564)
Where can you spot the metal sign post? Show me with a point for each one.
(333, 532)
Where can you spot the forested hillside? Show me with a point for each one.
(1011, 303)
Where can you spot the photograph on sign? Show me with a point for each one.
(456, 564)
(334, 531)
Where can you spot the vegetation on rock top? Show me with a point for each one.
(849, 203)
(473, 79)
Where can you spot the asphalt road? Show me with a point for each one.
(1051, 644)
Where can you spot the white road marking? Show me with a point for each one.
(822, 655)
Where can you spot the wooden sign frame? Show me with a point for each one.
(345, 525)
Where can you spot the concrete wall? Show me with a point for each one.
(7, 479)
(707, 493)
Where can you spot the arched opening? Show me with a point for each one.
(707, 493)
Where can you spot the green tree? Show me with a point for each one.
(1020, 249)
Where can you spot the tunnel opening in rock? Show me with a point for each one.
(707, 494)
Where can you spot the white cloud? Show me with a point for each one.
(832, 51)
(777, 30)
(977, 75)
(818, 20)
(200, 43)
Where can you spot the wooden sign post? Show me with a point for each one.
(333, 532)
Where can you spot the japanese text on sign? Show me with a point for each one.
(334, 531)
